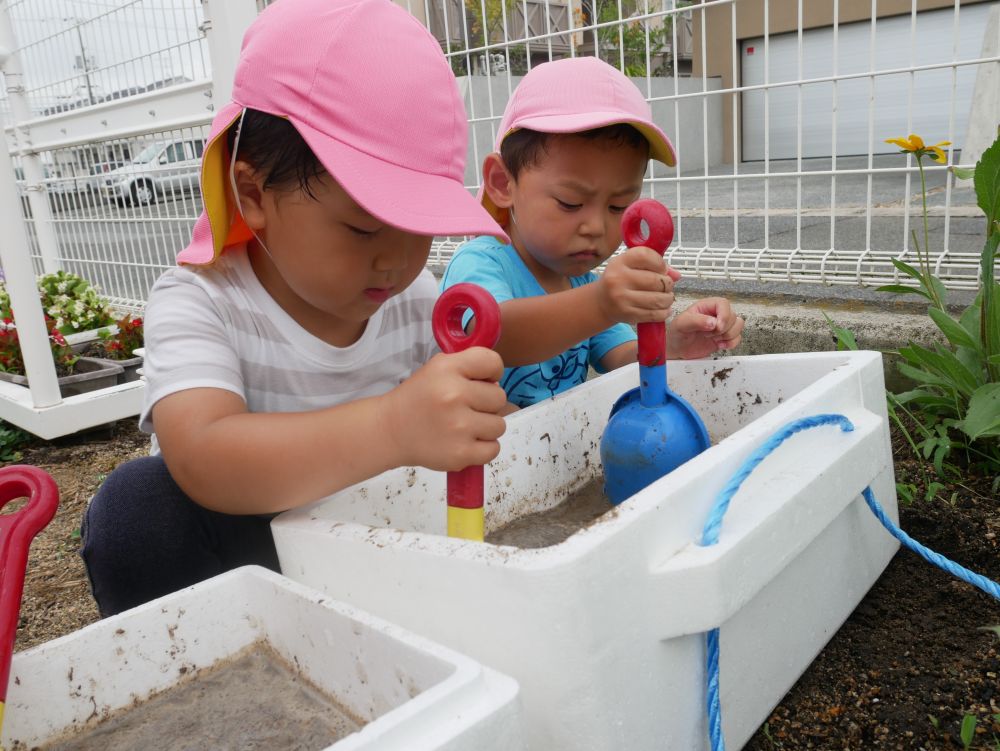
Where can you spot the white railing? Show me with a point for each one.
(783, 173)
(800, 206)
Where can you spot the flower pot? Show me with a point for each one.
(80, 340)
(130, 369)
(91, 374)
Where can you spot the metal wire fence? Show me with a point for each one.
(778, 109)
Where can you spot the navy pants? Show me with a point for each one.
(143, 538)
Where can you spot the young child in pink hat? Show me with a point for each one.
(571, 152)
(291, 355)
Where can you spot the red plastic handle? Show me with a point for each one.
(652, 336)
(17, 530)
(658, 220)
(449, 311)
(465, 487)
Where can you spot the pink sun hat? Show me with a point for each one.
(369, 90)
(574, 95)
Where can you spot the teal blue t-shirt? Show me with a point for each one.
(500, 271)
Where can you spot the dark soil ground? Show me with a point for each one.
(902, 673)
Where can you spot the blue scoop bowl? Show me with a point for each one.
(651, 431)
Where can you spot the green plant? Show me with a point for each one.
(73, 303)
(12, 440)
(953, 412)
(968, 730)
(12, 360)
(124, 340)
(623, 45)
(956, 404)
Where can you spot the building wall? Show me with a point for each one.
(722, 45)
(698, 142)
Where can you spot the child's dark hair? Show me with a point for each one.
(273, 146)
(522, 148)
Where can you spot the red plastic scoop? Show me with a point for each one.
(465, 488)
(17, 530)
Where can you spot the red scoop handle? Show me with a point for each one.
(449, 311)
(658, 221)
(17, 530)
(465, 487)
(652, 336)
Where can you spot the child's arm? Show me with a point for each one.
(636, 286)
(706, 327)
(445, 417)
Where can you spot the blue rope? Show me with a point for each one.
(713, 524)
(989, 586)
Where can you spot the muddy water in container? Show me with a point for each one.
(604, 628)
(252, 700)
(250, 659)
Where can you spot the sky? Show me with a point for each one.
(126, 43)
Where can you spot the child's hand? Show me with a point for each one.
(447, 415)
(708, 325)
(637, 286)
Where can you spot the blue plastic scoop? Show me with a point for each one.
(651, 431)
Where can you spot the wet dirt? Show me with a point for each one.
(902, 673)
(555, 525)
(255, 700)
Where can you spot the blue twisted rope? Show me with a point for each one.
(713, 524)
(988, 586)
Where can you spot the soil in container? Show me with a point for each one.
(550, 527)
(252, 700)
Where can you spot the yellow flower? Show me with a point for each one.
(915, 145)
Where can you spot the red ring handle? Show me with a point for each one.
(657, 218)
(449, 311)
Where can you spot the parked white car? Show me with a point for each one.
(162, 168)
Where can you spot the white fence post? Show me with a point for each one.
(34, 172)
(225, 23)
(15, 256)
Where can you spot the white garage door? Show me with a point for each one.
(835, 119)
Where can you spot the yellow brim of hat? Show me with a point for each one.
(228, 227)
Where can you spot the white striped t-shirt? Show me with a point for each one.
(217, 327)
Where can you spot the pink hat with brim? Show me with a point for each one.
(575, 95)
(394, 137)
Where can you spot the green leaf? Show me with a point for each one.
(938, 288)
(902, 289)
(987, 183)
(994, 360)
(953, 330)
(983, 416)
(907, 269)
(845, 337)
(970, 316)
(968, 731)
(989, 325)
(945, 365)
(934, 403)
(921, 376)
(932, 490)
(963, 173)
(906, 491)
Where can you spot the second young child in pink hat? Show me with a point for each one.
(291, 354)
(571, 152)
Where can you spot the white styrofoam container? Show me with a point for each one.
(413, 694)
(604, 630)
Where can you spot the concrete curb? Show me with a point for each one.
(780, 325)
